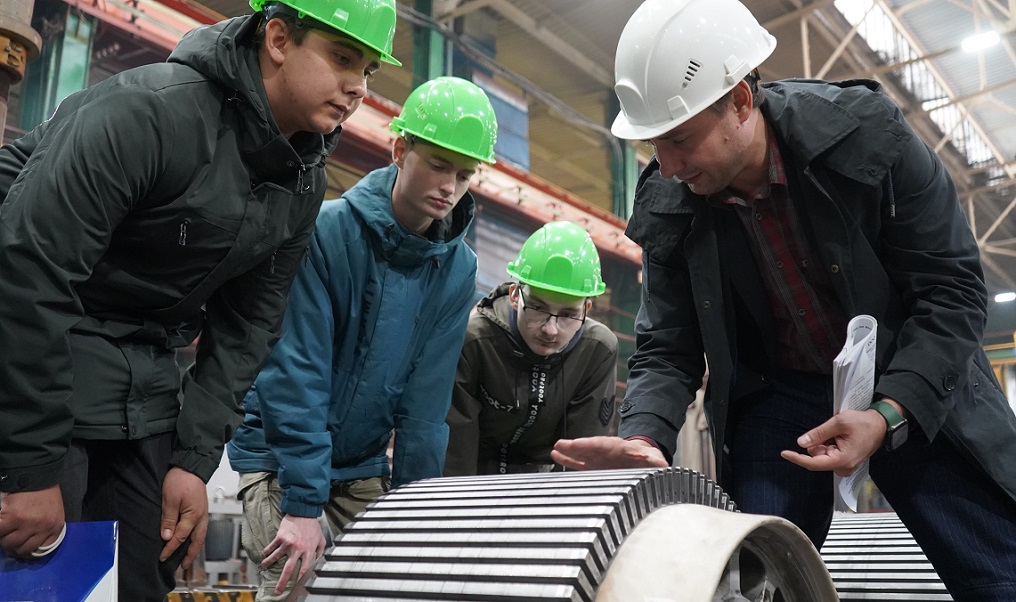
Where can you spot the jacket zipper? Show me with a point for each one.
(183, 232)
(892, 195)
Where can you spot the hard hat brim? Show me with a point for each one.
(625, 130)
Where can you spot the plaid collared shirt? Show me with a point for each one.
(809, 323)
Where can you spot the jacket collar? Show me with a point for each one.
(371, 199)
(820, 123)
(808, 124)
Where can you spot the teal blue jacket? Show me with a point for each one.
(372, 336)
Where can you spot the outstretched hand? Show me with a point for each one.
(602, 452)
(841, 443)
(300, 539)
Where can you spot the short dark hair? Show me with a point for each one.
(758, 94)
(413, 140)
(298, 28)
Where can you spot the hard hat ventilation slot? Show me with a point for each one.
(690, 72)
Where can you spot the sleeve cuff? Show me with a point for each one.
(194, 462)
(644, 438)
(300, 509)
(14, 480)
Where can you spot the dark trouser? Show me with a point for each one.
(963, 521)
(122, 480)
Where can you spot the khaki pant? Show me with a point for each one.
(262, 498)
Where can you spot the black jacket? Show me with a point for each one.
(883, 217)
(154, 206)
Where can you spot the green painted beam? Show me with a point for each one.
(623, 168)
(61, 70)
(1001, 354)
(428, 48)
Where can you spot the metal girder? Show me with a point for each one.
(548, 38)
(835, 56)
(450, 9)
(964, 175)
(941, 80)
(954, 100)
(794, 15)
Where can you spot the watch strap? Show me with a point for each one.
(896, 424)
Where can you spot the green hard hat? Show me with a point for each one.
(370, 22)
(452, 113)
(560, 257)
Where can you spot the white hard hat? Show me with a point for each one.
(676, 57)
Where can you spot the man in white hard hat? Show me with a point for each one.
(771, 215)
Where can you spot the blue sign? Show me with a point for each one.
(82, 569)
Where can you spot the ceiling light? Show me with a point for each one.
(980, 41)
(1005, 297)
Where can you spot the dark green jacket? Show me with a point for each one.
(154, 206)
(510, 406)
(882, 216)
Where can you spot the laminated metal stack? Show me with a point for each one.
(553, 536)
(547, 536)
(873, 557)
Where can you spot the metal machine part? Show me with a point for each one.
(19, 43)
(873, 557)
(600, 536)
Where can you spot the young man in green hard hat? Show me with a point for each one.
(534, 366)
(167, 201)
(373, 331)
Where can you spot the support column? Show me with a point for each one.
(63, 68)
(19, 43)
(479, 28)
(428, 48)
(623, 167)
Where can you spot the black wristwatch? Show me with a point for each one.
(896, 435)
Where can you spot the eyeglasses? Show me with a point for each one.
(540, 317)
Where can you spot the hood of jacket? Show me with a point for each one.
(497, 308)
(225, 54)
(371, 201)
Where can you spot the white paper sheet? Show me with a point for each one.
(853, 387)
